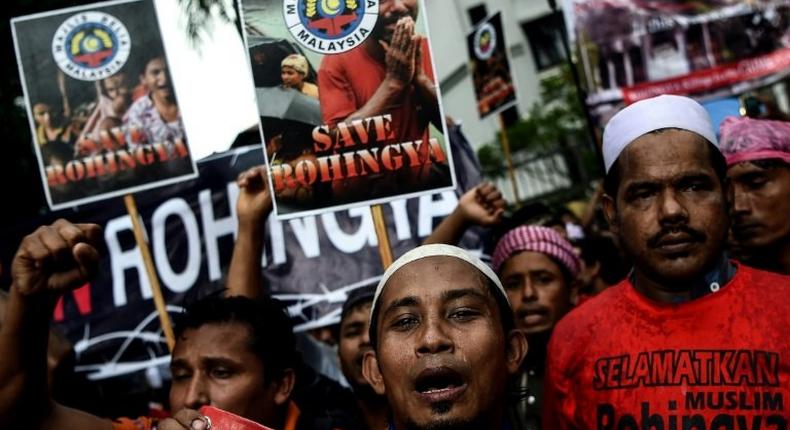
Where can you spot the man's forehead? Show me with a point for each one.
(651, 153)
(360, 312)
(418, 279)
(226, 333)
(441, 265)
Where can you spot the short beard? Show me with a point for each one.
(474, 423)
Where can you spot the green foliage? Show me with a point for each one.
(199, 15)
(491, 160)
(556, 121)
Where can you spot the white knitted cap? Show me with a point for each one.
(642, 117)
(434, 250)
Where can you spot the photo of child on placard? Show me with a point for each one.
(104, 115)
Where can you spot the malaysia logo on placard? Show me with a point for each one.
(485, 41)
(330, 26)
(91, 46)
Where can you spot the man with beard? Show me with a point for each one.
(390, 73)
(444, 342)
(690, 339)
(758, 161)
(538, 268)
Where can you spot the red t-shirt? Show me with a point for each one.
(622, 361)
(345, 84)
(347, 81)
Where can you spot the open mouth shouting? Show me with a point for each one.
(439, 384)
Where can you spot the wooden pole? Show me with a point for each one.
(508, 160)
(153, 280)
(385, 250)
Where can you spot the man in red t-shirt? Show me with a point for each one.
(690, 340)
(390, 73)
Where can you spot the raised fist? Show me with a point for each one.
(255, 200)
(56, 258)
(482, 205)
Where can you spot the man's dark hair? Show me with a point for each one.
(771, 163)
(505, 312)
(356, 299)
(271, 331)
(611, 181)
(614, 266)
(144, 58)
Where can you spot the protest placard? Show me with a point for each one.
(490, 67)
(102, 107)
(349, 104)
(310, 263)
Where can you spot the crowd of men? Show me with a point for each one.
(694, 337)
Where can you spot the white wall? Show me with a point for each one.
(449, 24)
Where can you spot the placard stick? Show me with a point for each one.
(385, 250)
(508, 160)
(159, 299)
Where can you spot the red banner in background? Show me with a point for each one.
(714, 78)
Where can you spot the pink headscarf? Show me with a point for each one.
(747, 139)
(537, 239)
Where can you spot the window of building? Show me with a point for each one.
(477, 13)
(545, 39)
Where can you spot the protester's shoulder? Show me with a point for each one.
(581, 323)
(598, 306)
(337, 61)
(323, 403)
(769, 283)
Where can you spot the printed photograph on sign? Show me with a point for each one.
(490, 67)
(349, 103)
(632, 50)
(102, 108)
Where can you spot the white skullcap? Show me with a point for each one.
(434, 250)
(642, 117)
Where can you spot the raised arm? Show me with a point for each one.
(51, 261)
(252, 208)
(482, 205)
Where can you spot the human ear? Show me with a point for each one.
(516, 350)
(372, 373)
(610, 212)
(284, 387)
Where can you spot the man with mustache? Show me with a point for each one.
(390, 73)
(690, 339)
(444, 342)
(758, 162)
(538, 268)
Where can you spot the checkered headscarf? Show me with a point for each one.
(537, 239)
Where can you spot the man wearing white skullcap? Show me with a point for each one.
(661, 349)
(444, 343)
